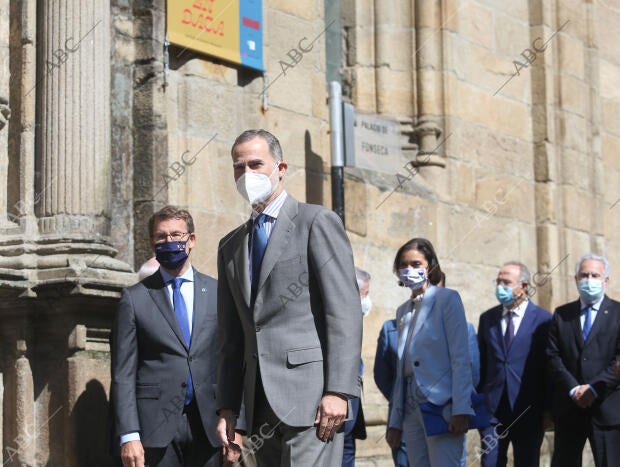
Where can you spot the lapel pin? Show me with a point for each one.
(605, 311)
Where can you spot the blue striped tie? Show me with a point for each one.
(259, 245)
(180, 310)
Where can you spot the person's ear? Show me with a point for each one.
(282, 166)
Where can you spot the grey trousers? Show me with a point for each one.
(274, 443)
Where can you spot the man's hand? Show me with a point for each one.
(226, 427)
(459, 424)
(583, 396)
(393, 437)
(132, 454)
(232, 453)
(617, 367)
(330, 415)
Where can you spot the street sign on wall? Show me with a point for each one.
(377, 143)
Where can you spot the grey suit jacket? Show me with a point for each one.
(305, 328)
(150, 361)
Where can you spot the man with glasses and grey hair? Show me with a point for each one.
(583, 348)
(512, 338)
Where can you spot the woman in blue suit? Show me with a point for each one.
(434, 365)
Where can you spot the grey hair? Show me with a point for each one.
(524, 272)
(274, 145)
(361, 276)
(594, 257)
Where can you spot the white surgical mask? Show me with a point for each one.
(366, 305)
(414, 278)
(256, 187)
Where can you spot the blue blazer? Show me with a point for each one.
(439, 353)
(386, 358)
(474, 353)
(521, 369)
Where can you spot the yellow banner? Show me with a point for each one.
(207, 26)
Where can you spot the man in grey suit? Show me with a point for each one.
(289, 316)
(163, 356)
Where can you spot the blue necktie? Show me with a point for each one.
(587, 323)
(259, 245)
(180, 310)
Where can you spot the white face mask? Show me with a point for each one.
(366, 305)
(414, 278)
(256, 187)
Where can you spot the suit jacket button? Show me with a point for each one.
(183, 384)
(416, 363)
(255, 356)
(257, 328)
(190, 359)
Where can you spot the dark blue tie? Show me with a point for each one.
(180, 310)
(259, 245)
(587, 323)
(510, 330)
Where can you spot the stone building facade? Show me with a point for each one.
(509, 113)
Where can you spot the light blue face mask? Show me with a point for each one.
(504, 295)
(590, 290)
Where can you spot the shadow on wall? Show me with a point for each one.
(92, 421)
(314, 172)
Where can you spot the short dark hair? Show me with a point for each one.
(425, 247)
(171, 212)
(274, 145)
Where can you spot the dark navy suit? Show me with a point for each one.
(514, 384)
(573, 362)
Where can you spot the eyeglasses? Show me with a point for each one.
(174, 236)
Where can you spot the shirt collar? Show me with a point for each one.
(272, 209)
(518, 311)
(595, 306)
(187, 275)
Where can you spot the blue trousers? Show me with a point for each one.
(348, 455)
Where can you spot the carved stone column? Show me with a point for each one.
(74, 123)
(64, 222)
(57, 265)
(5, 110)
(21, 447)
(428, 55)
(393, 63)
